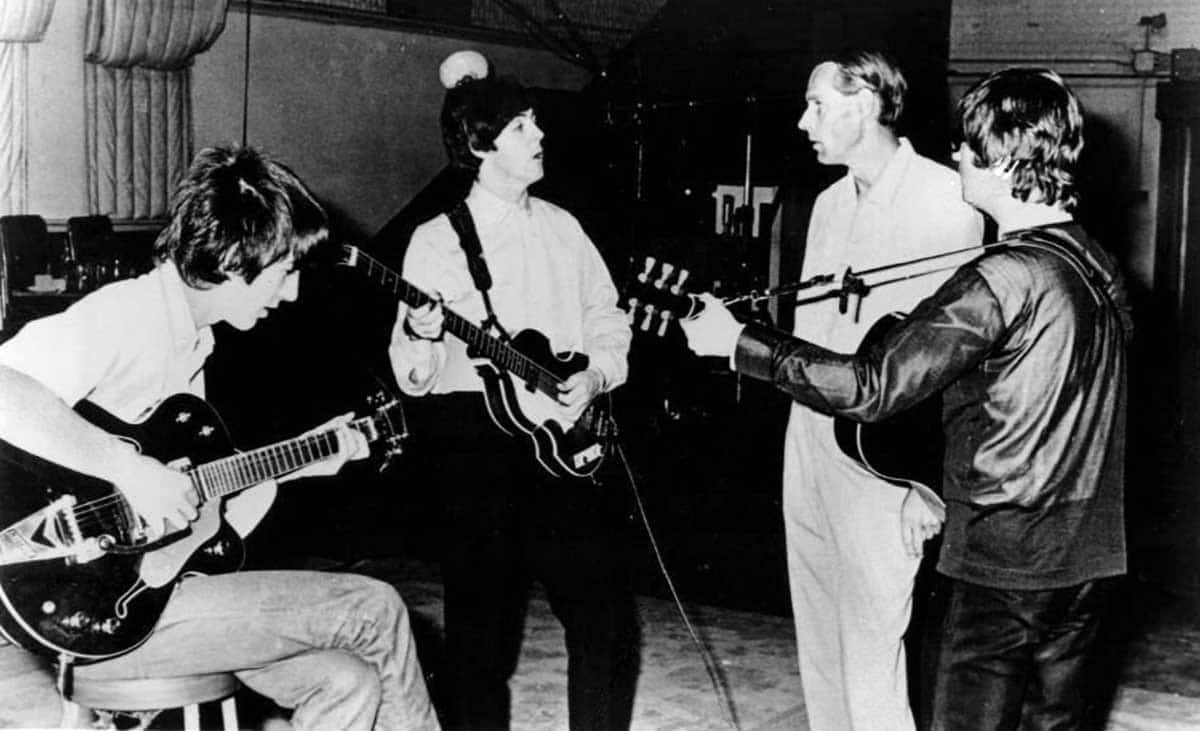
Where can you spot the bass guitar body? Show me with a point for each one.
(563, 449)
(92, 608)
(904, 449)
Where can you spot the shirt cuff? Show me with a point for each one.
(609, 369)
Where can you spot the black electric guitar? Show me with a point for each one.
(78, 575)
(521, 378)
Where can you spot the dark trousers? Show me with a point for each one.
(508, 523)
(1008, 659)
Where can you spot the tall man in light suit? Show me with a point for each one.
(854, 541)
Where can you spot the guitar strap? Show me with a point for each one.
(468, 238)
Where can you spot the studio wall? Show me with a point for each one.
(354, 110)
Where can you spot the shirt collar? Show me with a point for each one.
(489, 209)
(891, 178)
(185, 336)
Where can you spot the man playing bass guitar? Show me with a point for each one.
(336, 649)
(508, 519)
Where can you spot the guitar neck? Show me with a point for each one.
(246, 469)
(479, 340)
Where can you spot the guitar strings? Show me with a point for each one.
(98, 512)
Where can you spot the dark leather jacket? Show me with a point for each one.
(1027, 345)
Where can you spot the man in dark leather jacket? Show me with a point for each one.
(1027, 345)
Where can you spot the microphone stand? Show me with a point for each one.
(853, 283)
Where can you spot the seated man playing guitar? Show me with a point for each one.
(336, 649)
(517, 510)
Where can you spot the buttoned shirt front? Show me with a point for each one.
(124, 347)
(546, 275)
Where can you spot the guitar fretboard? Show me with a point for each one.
(237, 472)
(479, 340)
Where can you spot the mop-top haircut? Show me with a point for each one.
(476, 111)
(237, 212)
(1027, 121)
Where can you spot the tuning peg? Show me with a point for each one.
(666, 320)
(667, 269)
(393, 448)
(649, 308)
(631, 306)
(678, 286)
(644, 275)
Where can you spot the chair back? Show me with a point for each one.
(91, 237)
(25, 245)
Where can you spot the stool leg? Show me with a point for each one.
(74, 715)
(191, 717)
(229, 714)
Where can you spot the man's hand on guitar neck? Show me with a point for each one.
(426, 322)
(352, 445)
(578, 390)
(422, 327)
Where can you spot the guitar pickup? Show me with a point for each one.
(584, 457)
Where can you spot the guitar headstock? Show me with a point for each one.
(348, 255)
(657, 295)
(386, 424)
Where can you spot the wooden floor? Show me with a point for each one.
(1154, 652)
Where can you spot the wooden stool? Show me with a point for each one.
(151, 694)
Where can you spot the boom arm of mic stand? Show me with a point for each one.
(758, 296)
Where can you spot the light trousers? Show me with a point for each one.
(851, 584)
(335, 648)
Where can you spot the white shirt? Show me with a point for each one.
(125, 347)
(546, 275)
(913, 209)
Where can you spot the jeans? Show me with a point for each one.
(1016, 658)
(335, 648)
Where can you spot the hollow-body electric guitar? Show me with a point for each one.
(521, 376)
(905, 449)
(79, 577)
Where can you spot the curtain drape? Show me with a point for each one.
(21, 22)
(137, 92)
